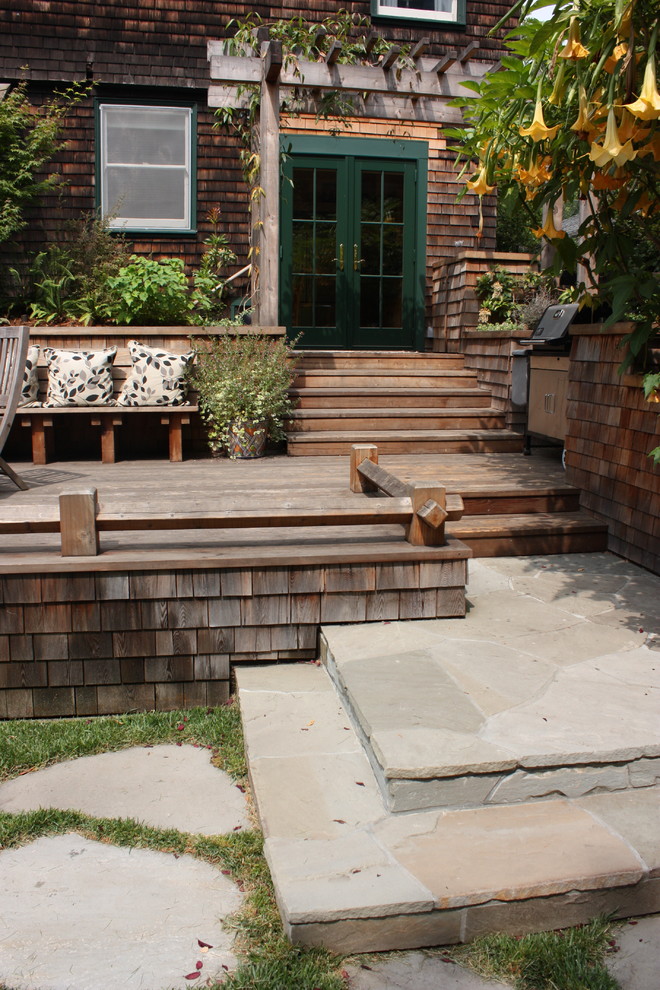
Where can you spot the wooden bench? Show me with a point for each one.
(41, 420)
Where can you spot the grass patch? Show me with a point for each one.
(268, 960)
(30, 745)
(571, 959)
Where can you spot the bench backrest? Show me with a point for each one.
(13, 354)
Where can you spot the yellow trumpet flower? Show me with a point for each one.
(574, 49)
(478, 184)
(647, 107)
(611, 150)
(537, 130)
(536, 175)
(548, 229)
(559, 87)
(583, 122)
(619, 52)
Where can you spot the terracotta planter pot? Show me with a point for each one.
(247, 439)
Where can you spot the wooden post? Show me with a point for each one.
(268, 237)
(78, 524)
(362, 452)
(418, 533)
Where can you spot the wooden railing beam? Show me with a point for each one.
(361, 452)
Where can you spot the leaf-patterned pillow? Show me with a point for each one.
(79, 378)
(30, 386)
(157, 378)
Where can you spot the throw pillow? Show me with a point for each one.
(30, 386)
(156, 378)
(79, 378)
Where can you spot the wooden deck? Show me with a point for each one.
(492, 485)
(159, 617)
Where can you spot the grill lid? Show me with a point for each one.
(554, 324)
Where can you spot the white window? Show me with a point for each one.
(145, 172)
(430, 10)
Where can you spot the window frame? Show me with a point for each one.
(145, 227)
(428, 18)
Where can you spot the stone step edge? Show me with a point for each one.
(322, 902)
(511, 781)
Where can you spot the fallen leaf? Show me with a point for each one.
(237, 827)
(359, 783)
(356, 871)
(226, 968)
(241, 788)
(340, 821)
(226, 873)
(192, 976)
(204, 945)
(179, 727)
(199, 964)
(311, 723)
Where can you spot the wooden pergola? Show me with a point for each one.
(389, 90)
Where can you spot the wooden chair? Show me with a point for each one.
(13, 355)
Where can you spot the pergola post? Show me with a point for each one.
(267, 238)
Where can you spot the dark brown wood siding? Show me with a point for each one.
(163, 42)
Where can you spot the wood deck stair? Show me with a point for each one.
(404, 402)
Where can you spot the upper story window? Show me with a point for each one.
(145, 166)
(449, 11)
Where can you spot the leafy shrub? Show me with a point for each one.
(149, 292)
(513, 302)
(67, 281)
(243, 379)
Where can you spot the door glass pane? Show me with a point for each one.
(303, 294)
(370, 249)
(326, 194)
(393, 251)
(370, 302)
(326, 243)
(303, 193)
(325, 307)
(303, 246)
(392, 197)
(370, 206)
(392, 299)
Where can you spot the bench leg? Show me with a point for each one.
(108, 449)
(174, 423)
(42, 439)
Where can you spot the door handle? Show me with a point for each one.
(340, 259)
(356, 261)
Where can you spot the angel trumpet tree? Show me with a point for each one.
(575, 112)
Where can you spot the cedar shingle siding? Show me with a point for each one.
(156, 49)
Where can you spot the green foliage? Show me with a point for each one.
(513, 302)
(208, 280)
(516, 224)
(29, 138)
(571, 959)
(575, 113)
(243, 379)
(149, 292)
(67, 281)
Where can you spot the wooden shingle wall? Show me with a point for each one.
(94, 643)
(163, 42)
(611, 429)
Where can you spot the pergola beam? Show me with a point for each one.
(238, 70)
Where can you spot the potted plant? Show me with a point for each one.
(243, 384)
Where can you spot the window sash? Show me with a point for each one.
(389, 8)
(177, 184)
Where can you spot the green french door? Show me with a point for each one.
(349, 272)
